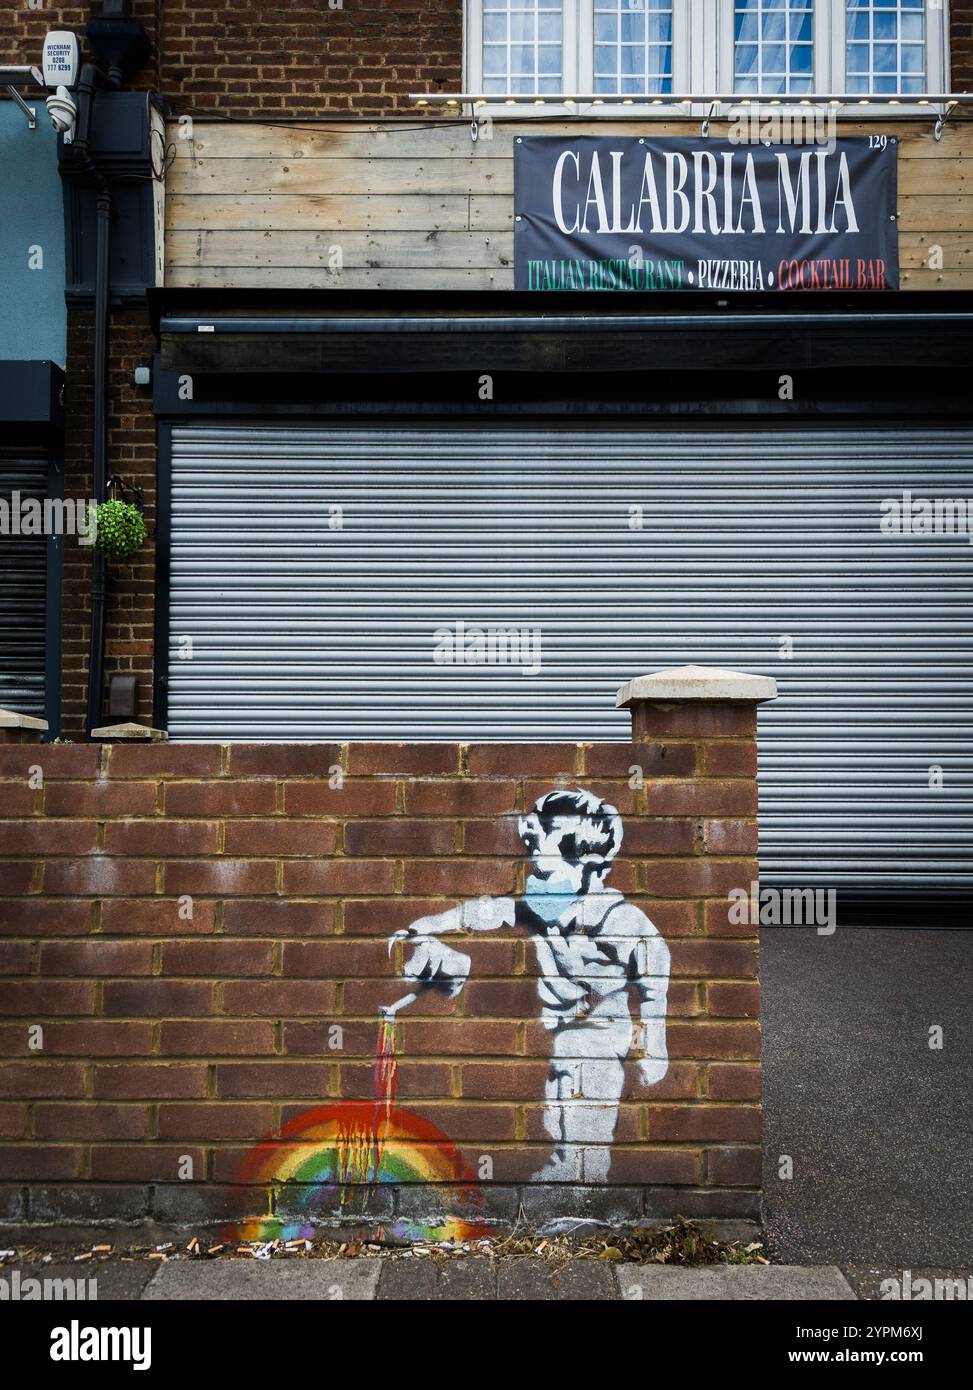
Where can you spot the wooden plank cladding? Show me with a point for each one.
(414, 207)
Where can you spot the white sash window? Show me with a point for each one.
(773, 47)
(885, 47)
(658, 48)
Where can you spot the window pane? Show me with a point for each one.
(633, 46)
(494, 60)
(773, 59)
(886, 48)
(522, 46)
(858, 25)
(774, 46)
(521, 59)
(773, 27)
(857, 57)
(605, 60)
(549, 59)
(747, 59)
(632, 26)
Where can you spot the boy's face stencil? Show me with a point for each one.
(564, 864)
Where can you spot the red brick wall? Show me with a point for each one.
(961, 45)
(165, 1037)
(300, 59)
(305, 59)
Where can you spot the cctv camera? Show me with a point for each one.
(63, 112)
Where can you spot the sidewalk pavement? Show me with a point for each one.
(470, 1279)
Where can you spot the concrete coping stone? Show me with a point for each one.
(10, 719)
(129, 733)
(683, 684)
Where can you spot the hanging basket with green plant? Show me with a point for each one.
(120, 529)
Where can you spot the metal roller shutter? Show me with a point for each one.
(23, 590)
(747, 537)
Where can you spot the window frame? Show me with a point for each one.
(726, 49)
(703, 60)
(681, 52)
(938, 75)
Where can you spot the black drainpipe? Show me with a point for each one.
(99, 456)
(90, 79)
(123, 46)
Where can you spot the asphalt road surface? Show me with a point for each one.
(879, 1125)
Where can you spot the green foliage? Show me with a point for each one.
(120, 529)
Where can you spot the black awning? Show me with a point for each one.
(31, 393)
(364, 332)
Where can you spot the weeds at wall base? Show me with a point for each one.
(684, 1243)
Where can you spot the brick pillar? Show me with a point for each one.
(694, 732)
(20, 728)
(700, 702)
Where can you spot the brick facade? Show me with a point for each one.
(167, 1036)
(304, 59)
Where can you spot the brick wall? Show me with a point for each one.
(303, 59)
(167, 1036)
(961, 45)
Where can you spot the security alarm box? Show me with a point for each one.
(62, 58)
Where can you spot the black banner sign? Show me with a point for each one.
(629, 213)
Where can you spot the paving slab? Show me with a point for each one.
(585, 1279)
(235, 1280)
(528, 1280)
(748, 1283)
(408, 1281)
(467, 1281)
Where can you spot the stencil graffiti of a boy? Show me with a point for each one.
(592, 949)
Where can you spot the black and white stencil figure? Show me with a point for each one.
(594, 950)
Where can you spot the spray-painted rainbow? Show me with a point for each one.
(335, 1149)
(350, 1148)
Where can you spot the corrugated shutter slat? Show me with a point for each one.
(23, 597)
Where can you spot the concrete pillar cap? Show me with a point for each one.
(686, 683)
(10, 719)
(111, 732)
